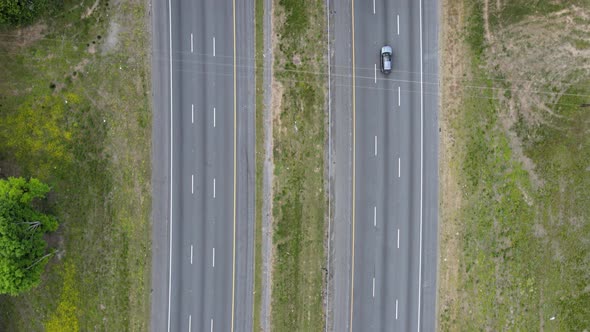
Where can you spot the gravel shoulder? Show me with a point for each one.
(268, 168)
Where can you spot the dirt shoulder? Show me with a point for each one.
(270, 107)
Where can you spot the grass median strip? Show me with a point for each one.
(299, 138)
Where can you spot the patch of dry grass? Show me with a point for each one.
(259, 18)
(453, 69)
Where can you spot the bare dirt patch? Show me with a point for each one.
(81, 65)
(276, 103)
(486, 20)
(90, 10)
(112, 37)
(91, 48)
(23, 37)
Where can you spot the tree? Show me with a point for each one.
(16, 12)
(23, 253)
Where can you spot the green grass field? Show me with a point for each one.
(75, 112)
(524, 237)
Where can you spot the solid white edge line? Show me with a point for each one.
(171, 155)
(421, 168)
(353, 203)
(189, 323)
(214, 117)
(191, 254)
(375, 144)
(213, 263)
(213, 187)
(192, 113)
(373, 286)
(329, 159)
(192, 183)
(375, 216)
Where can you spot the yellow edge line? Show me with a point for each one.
(233, 272)
(353, 169)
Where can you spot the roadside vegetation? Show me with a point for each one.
(16, 12)
(299, 203)
(22, 228)
(515, 166)
(74, 113)
(260, 155)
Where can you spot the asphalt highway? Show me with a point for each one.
(203, 61)
(384, 174)
(386, 155)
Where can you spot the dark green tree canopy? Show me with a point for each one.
(22, 247)
(16, 12)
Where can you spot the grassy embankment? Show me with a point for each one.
(259, 61)
(299, 138)
(74, 112)
(515, 195)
